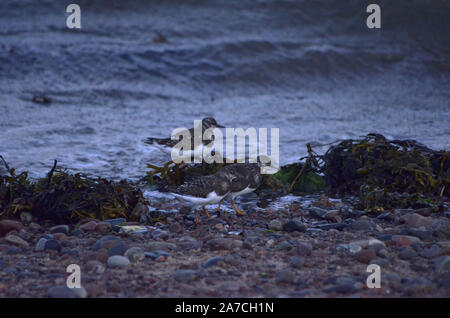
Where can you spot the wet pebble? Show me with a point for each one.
(160, 234)
(9, 225)
(294, 225)
(189, 243)
(442, 263)
(16, 240)
(95, 267)
(404, 240)
(71, 252)
(118, 261)
(304, 248)
(332, 226)
(331, 215)
(60, 229)
(432, 252)
(346, 285)
(317, 212)
(418, 286)
(380, 261)
(185, 275)
(220, 244)
(14, 250)
(441, 228)
(66, 292)
(285, 276)
(34, 227)
(24, 234)
(119, 248)
(275, 225)
(363, 225)
(154, 246)
(175, 228)
(77, 233)
(212, 261)
(284, 246)
(52, 245)
(116, 221)
(421, 233)
(89, 226)
(365, 256)
(135, 254)
(155, 254)
(103, 227)
(416, 220)
(445, 245)
(297, 262)
(407, 253)
(383, 253)
(100, 243)
(40, 245)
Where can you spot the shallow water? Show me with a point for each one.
(310, 68)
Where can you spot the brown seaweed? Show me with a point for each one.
(67, 198)
(387, 173)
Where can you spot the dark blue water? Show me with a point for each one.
(311, 68)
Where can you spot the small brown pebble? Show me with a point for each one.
(94, 290)
(89, 226)
(160, 259)
(9, 225)
(102, 255)
(59, 236)
(103, 227)
(16, 240)
(113, 288)
(402, 241)
(365, 256)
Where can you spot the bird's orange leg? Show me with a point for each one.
(205, 211)
(196, 217)
(238, 212)
(220, 203)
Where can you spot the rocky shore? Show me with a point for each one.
(304, 248)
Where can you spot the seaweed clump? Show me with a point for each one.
(67, 198)
(388, 173)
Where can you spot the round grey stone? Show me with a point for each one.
(118, 261)
(275, 225)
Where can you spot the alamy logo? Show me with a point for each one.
(73, 21)
(74, 279)
(374, 279)
(374, 19)
(207, 145)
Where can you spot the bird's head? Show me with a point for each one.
(210, 122)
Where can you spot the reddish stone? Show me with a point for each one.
(94, 290)
(160, 259)
(113, 288)
(103, 227)
(16, 240)
(108, 244)
(365, 256)
(59, 236)
(89, 226)
(402, 241)
(102, 255)
(9, 225)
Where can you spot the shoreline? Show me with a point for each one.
(320, 251)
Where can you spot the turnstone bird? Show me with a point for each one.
(247, 178)
(166, 144)
(204, 190)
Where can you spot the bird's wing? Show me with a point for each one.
(199, 187)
